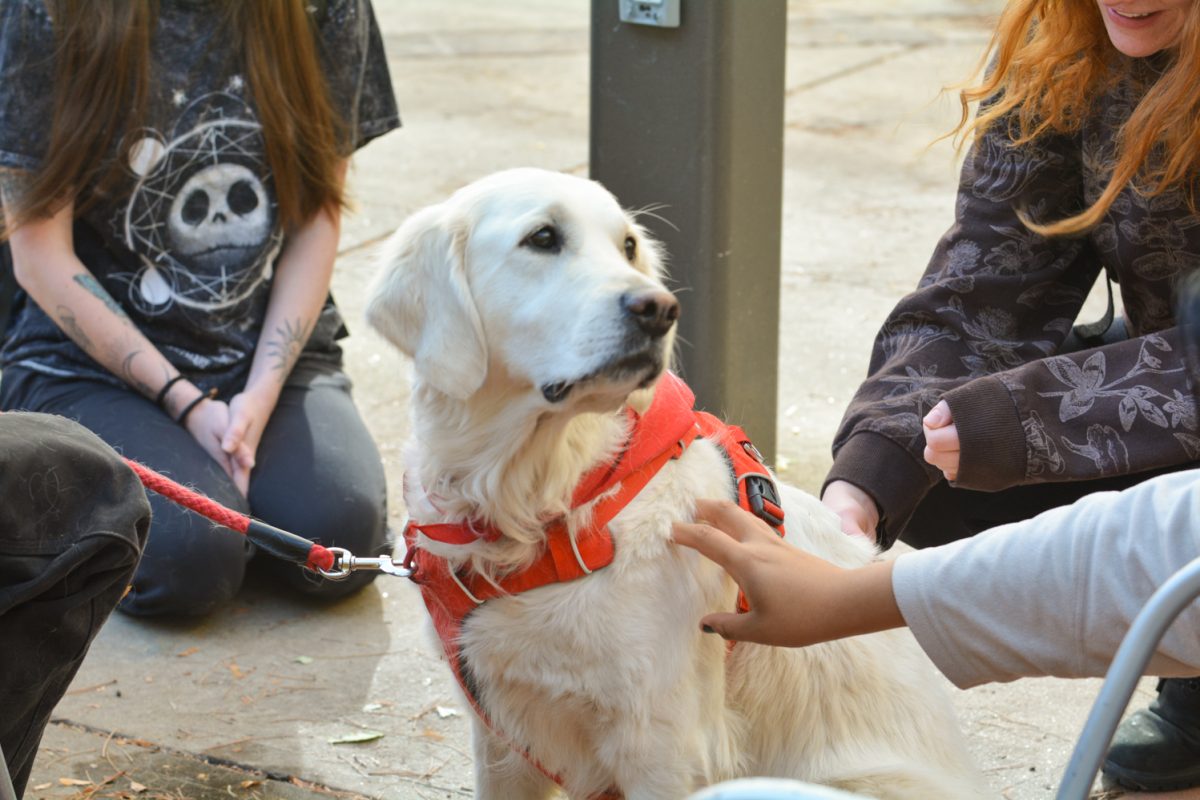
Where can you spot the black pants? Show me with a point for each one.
(948, 514)
(73, 520)
(318, 474)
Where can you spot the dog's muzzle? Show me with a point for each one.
(650, 314)
(654, 311)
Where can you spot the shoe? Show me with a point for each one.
(1157, 749)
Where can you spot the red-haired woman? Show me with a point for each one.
(172, 185)
(981, 405)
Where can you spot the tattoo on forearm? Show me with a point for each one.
(90, 283)
(132, 379)
(71, 327)
(284, 348)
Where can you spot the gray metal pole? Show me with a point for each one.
(7, 792)
(689, 121)
(1128, 665)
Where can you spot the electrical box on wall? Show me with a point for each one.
(660, 13)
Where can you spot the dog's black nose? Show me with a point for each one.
(655, 311)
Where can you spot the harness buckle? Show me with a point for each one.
(345, 562)
(764, 500)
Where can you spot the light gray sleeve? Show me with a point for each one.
(1054, 595)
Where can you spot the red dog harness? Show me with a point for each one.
(667, 428)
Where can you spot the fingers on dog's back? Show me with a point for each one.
(708, 540)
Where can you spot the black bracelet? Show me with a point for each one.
(183, 415)
(162, 393)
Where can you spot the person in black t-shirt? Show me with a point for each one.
(172, 183)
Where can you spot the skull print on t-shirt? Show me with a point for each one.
(201, 217)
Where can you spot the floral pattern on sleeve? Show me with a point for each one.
(1136, 394)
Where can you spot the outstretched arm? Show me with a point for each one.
(1052, 595)
(796, 599)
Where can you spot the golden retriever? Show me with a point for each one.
(534, 310)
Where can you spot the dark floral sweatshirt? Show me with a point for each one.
(985, 327)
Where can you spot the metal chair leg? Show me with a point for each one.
(7, 792)
(1127, 667)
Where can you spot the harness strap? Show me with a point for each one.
(452, 533)
(756, 489)
(567, 557)
(660, 429)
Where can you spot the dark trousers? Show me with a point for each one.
(948, 514)
(318, 474)
(73, 520)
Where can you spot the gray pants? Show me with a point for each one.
(318, 475)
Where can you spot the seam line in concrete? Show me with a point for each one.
(870, 62)
(216, 761)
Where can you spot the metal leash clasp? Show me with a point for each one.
(345, 562)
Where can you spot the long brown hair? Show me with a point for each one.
(101, 86)
(1051, 59)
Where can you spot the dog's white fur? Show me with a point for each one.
(607, 680)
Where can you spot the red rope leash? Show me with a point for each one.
(280, 543)
(181, 495)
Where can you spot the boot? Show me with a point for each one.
(1157, 749)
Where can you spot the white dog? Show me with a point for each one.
(534, 311)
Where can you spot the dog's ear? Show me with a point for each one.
(421, 302)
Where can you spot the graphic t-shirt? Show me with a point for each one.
(188, 246)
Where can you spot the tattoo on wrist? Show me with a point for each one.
(90, 283)
(285, 347)
(71, 327)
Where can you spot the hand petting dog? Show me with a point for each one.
(796, 599)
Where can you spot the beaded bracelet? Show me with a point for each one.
(183, 415)
(162, 393)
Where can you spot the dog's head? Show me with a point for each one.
(529, 276)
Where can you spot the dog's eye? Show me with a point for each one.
(630, 248)
(544, 238)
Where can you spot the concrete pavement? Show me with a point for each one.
(268, 697)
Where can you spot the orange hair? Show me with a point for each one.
(101, 85)
(1052, 59)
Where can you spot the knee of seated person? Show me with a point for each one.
(61, 484)
(190, 581)
(348, 519)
